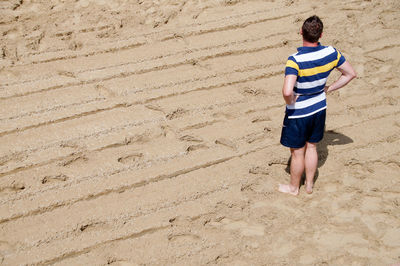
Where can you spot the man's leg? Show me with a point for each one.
(311, 162)
(296, 170)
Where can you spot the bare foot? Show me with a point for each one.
(309, 187)
(287, 189)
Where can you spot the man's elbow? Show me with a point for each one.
(287, 93)
(350, 75)
(353, 74)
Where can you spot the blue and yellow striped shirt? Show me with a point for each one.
(312, 66)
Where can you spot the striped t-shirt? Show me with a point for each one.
(312, 66)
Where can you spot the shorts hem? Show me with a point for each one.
(312, 141)
(292, 146)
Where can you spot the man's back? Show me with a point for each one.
(312, 66)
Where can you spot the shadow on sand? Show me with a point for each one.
(330, 138)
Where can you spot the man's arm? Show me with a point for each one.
(348, 74)
(287, 90)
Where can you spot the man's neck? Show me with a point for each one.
(309, 44)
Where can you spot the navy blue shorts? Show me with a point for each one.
(297, 131)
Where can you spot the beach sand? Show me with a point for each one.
(147, 133)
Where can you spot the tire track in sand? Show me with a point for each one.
(215, 28)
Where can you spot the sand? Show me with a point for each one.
(147, 133)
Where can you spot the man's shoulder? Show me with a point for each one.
(330, 47)
(321, 52)
(293, 56)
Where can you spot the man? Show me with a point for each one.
(304, 91)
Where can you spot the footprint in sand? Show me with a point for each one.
(226, 142)
(66, 74)
(252, 137)
(224, 115)
(242, 227)
(259, 170)
(183, 237)
(121, 263)
(176, 113)
(154, 107)
(104, 91)
(54, 178)
(190, 138)
(131, 158)
(73, 160)
(260, 119)
(196, 147)
(251, 91)
(13, 188)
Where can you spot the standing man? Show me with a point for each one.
(304, 91)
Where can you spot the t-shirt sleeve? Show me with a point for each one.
(292, 68)
(341, 59)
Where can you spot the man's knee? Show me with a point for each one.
(311, 145)
(297, 151)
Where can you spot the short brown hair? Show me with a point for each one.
(312, 29)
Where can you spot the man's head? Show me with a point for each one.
(312, 29)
